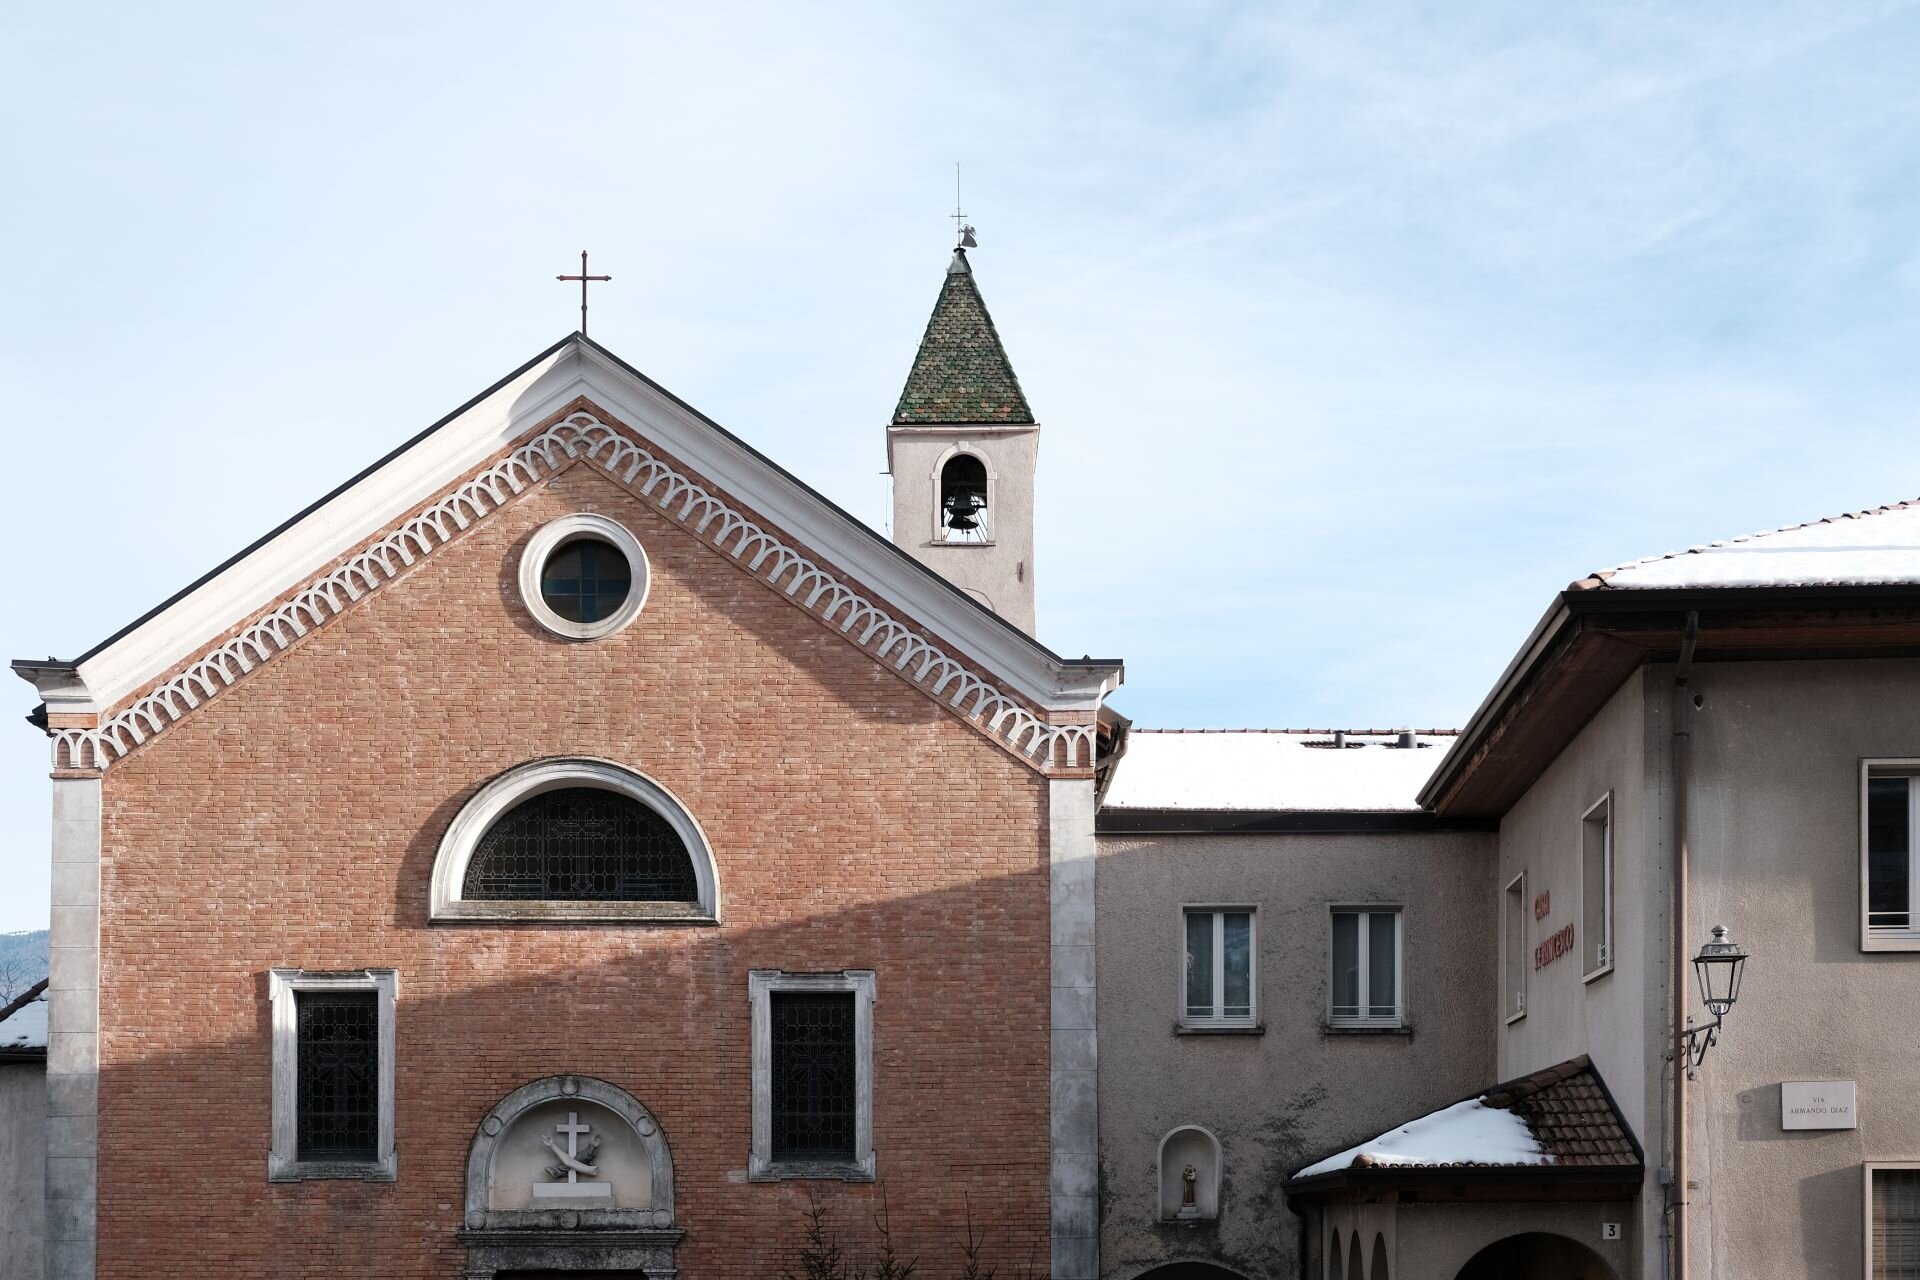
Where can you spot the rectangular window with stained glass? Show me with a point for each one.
(1366, 968)
(813, 1082)
(337, 1080)
(1218, 977)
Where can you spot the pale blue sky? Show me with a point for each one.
(1355, 331)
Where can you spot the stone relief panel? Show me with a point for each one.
(571, 1153)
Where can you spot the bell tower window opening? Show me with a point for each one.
(963, 500)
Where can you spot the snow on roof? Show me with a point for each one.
(1273, 769)
(1861, 548)
(1469, 1132)
(26, 1028)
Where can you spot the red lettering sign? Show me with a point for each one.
(1553, 948)
(1543, 906)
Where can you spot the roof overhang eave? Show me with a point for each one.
(1384, 1177)
(1780, 622)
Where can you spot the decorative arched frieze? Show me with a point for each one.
(611, 1211)
(582, 436)
(498, 797)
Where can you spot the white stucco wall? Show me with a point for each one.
(23, 1169)
(1776, 854)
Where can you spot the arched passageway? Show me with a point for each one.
(1536, 1255)
(1189, 1271)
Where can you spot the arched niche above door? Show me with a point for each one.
(569, 1173)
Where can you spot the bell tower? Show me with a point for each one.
(962, 450)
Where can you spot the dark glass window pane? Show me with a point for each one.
(581, 844)
(1346, 965)
(1887, 853)
(586, 580)
(1199, 964)
(1383, 968)
(1236, 950)
(336, 1074)
(813, 1080)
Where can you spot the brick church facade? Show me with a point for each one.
(856, 788)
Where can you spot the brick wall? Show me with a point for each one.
(293, 821)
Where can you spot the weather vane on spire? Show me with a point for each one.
(583, 277)
(961, 226)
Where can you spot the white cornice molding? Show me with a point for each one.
(582, 436)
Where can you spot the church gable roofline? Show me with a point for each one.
(961, 374)
(430, 469)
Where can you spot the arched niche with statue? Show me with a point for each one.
(569, 1173)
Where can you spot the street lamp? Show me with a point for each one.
(1719, 966)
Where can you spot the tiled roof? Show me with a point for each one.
(961, 373)
(1876, 547)
(1570, 1124)
(1569, 1114)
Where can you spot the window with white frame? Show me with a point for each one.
(333, 1049)
(1217, 977)
(1366, 967)
(812, 1074)
(1513, 948)
(1889, 884)
(1893, 1221)
(1596, 887)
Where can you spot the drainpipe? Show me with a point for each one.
(1682, 764)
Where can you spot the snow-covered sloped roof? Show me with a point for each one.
(1862, 548)
(1273, 769)
(1560, 1117)
(24, 1029)
(1469, 1132)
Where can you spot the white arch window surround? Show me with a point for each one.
(940, 533)
(503, 794)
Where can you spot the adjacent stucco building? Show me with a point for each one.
(23, 1134)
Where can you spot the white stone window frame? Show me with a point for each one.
(1514, 910)
(1867, 1170)
(1883, 939)
(283, 1157)
(554, 535)
(762, 985)
(1363, 939)
(939, 534)
(1599, 812)
(498, 797)
(1221, 1024)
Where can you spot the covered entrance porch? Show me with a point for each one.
(1535, 1179)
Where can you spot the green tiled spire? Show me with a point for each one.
(961, 373)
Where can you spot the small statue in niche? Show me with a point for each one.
(1189, 1179)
